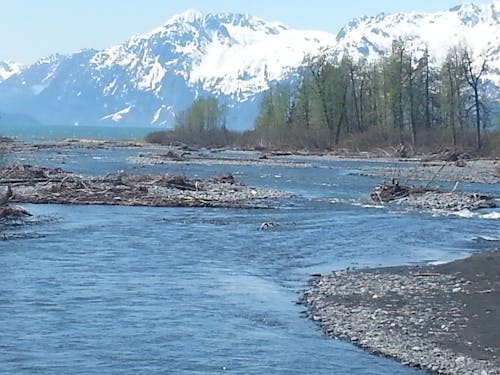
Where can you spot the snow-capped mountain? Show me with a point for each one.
(151, 77)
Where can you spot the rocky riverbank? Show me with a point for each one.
(423, 198)
(445, 201)
(443, 318)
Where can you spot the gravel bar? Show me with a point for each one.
(444, 318)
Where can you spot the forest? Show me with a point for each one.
(400, 100)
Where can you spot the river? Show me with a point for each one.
(120, 290)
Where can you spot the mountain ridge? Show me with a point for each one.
(152, 76)
(477, 26)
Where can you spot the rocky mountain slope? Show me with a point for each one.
(153, 76)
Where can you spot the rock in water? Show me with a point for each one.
(8, 212)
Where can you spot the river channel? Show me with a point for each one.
(121, 290)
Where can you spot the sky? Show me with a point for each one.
(33, 29)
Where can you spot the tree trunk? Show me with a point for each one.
(478, 118)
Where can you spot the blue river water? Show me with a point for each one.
(122, 290)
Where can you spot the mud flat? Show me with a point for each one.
(34, 184)
(443, 318)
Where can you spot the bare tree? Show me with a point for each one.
(473, 74)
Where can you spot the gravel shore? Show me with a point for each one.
(470, 171)
(444, 318)
(249, 159)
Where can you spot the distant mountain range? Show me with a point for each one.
(236, 57)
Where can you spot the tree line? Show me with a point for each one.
(402, 98)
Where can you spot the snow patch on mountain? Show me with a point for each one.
(117, 116)
(245, 67)
(8, 69)
(243, 54)
(152, 76)
(157, 114)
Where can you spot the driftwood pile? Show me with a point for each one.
(390, 192)
(34, 184)
(430, 199)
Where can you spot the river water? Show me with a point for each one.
(120, 290)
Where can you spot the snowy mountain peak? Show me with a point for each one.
(188, 16)
(216, 20)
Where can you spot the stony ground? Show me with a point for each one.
(445, 318)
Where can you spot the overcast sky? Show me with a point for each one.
(32, 29)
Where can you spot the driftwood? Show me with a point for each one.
(34, 184)
(395, 191)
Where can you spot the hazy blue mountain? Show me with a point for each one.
(16, 119)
